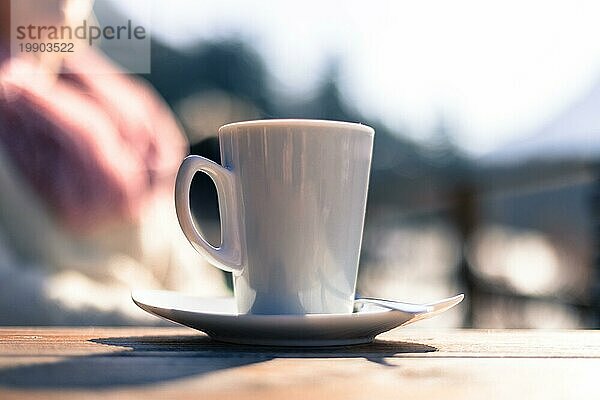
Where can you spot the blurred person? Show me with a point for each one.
(87, 168)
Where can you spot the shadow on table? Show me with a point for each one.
(155, 359)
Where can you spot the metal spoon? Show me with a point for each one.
(421, 311)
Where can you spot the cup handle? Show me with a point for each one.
(228, 256)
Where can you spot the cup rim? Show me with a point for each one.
(300, 122)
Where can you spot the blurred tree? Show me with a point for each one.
(231, 66)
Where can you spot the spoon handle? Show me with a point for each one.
(428, 308)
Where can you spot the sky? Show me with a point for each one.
(495, 71)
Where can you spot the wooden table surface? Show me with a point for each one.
(412, 363)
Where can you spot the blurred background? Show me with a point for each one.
(486, 173)
(487, 119)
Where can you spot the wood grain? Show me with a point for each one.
(180, 363)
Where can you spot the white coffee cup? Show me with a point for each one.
(292, 196)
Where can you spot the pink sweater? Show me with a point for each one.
(95, 147)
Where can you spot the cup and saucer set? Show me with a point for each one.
(292, 197)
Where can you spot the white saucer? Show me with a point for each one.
(218, 318)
